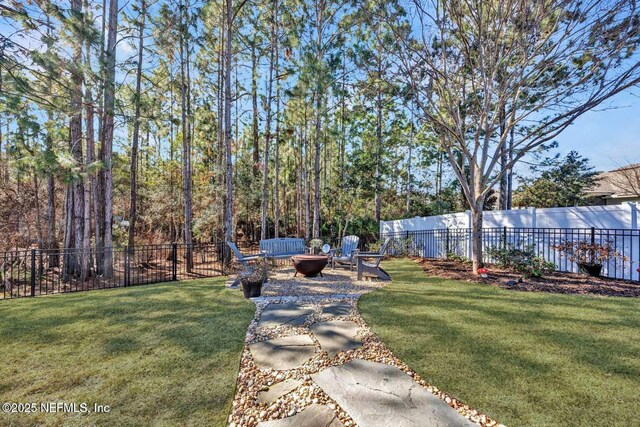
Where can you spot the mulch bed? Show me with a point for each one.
(557, 282)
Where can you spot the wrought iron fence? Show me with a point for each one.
(442, 243)
(25, 273)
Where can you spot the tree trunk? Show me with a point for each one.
(504, 159)
(476, 236)
(1, 115)
(52, 238)
(36, 194)
(88, 159)
(68, 260)
(316, 169)
(75, 135)
(228, 219)
(186, 140)
(276, 199)
(136, 131)
(87, 186)
(267, 138)
(378, 153)
(510, 170)
(408, 202)
(305, 161)
(254, 104)
(107, 137)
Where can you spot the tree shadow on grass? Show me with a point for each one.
(179, 342)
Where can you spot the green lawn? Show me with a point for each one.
(522, 358)
(163, 354)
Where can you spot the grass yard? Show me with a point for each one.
(163, 354)
(522, 358)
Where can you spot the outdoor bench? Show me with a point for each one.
(282, 248)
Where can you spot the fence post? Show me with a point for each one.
(127, 269)
(448, 251)
(174, 262)
(593, 235)
(33, 272)
(504, 237)
(222, 247)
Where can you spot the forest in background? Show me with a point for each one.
(149, 121)
(323, 115)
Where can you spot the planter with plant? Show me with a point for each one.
(589, 257)
(252, 277)
(315, 245)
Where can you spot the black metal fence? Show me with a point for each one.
(443, 243)
(25, 273)
(33, 272)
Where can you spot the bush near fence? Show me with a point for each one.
(443, 243)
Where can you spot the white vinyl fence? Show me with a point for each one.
(442, 235)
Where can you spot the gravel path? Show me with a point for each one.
(289, 343)
(335, 281)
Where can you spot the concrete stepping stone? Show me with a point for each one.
(314, 415)
(293, 314)
(283, 353)
(277, 390)
(337, 335)
(375, 394)
(337, 309)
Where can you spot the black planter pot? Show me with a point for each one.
(593, 270)
(251, 289)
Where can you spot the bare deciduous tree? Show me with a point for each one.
(518, 72)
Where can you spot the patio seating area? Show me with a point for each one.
(333, 282)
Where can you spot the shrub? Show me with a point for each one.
(452, 256)
(583, 252)
(523, 261)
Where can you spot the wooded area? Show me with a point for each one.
(152, 121)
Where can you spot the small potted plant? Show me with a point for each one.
(589, 257)
(252, 277)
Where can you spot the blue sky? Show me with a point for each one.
(609, 136)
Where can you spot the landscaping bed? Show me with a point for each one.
(555, 282)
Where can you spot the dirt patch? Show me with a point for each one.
(557, 282)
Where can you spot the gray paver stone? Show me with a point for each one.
(293, 314)
(283, 353)
(337, 335)
(375, 394)
(314, 415)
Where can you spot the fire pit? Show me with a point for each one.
(309, 265)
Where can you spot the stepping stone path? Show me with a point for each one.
(283, 353)
(292, 314)
(315, 363)
(313, 416)
(336, 309)
(336, 336)
(379, 395)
